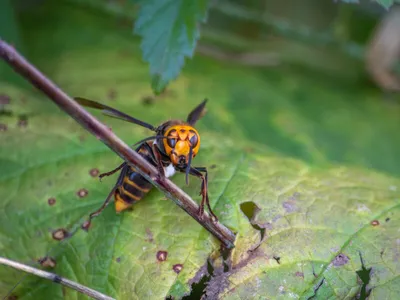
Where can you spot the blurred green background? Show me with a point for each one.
(292, 74)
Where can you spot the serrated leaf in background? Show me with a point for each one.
(169, 31)
(385, 3)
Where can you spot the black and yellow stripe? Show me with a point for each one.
(133, 186)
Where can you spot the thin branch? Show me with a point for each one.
(55, 278)
(90, 123)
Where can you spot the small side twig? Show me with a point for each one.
(90, 123)
(55, 278)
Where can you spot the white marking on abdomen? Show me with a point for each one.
(169, 170)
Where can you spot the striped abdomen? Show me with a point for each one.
(132, 186)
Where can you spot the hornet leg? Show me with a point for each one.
(204, 190)
(159, 164)
(113, 171)
(94, 214)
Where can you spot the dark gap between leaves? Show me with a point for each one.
(199, 288)
(250, 209)
(225, 253)
(365, 276)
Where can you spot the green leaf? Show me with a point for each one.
(306, 150)
(169, 31)
(309, 217)
(316, 224)
(385, 3)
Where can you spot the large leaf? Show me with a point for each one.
(317, 226)
(169, 30)
(317, 223)
(316, 217)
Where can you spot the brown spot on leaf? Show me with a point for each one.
(340, 260)
(4, 99)
(112, 94)
(82, 193)
(148, 100)
(162, 255)
(51, 201)
(375, 223)
(47, 262)
(85, 226)
(3, 127)
(149, 234)
(60, 234)
(177, 268)
(94, 172)
(12, 297)
(22, 122)
(289, 206)
(299, 274)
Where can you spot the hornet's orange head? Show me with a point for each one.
(177, 143)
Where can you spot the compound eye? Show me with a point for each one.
(171, 142)
(194, 140)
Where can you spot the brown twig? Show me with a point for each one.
(55, 278)
(90, 123)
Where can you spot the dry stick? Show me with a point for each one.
(90, 123)
(55, 278)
